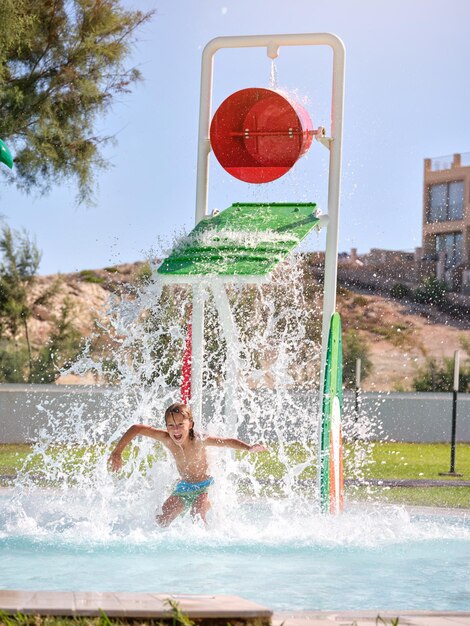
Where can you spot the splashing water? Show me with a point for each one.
(67, 502)
(142, 341)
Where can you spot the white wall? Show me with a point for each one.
(420, 417)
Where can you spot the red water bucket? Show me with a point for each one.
(258, 134)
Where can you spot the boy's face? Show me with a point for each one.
(178, 427)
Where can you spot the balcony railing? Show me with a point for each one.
(449, 161)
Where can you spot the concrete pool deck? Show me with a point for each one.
(207, 609)
(370, 618)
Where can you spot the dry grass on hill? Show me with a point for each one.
(400, 336)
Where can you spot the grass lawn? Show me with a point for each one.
(12, 457)
(453, 497)
(417, 462)
(387, 461)
(413, 460)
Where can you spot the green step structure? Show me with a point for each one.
(245, 243)
(245, 240)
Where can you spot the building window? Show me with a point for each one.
(452, 245)
(445, 202)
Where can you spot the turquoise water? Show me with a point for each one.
(366, 559)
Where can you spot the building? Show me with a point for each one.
(380, 270)
(446, 220)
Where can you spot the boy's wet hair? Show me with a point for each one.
(178, 408)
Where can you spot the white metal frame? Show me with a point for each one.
(334, 143)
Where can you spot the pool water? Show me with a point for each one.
(364, 559)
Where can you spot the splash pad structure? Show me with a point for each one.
(257, 135)
(76, 526)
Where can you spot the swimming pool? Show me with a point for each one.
(368, 558)
(91, 530)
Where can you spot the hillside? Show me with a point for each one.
(400, 336)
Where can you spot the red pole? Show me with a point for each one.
(186, 368)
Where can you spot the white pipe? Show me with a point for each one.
(334, 185)
(358, 372)
(272, 50)
(323, 222)
(202, 186)
(204, 147)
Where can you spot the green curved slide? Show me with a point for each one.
(5, 155)
(331, 454)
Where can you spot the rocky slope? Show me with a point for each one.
(400, 336)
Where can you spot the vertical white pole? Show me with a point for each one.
(202, 182)
(204, 146)
(358, 372)
(357, 386)
(334, 187)
(332, 232)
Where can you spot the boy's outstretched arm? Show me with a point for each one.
(235, 444)
(115, 459)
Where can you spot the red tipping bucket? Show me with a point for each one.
(257, 135)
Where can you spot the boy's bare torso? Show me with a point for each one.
(191, 460)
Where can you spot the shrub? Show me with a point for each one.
(397, 334)
(439, 376)
(89, 276)
(361, 301)
(432, 291)
(63, 346)
(144, 273)
(399, 291)
(355, 347)
(13, 362)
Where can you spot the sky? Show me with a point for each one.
(407, 97)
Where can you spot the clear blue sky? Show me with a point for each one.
(407, 98)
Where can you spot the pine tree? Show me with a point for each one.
(62, 347)
(18, 271)
(62, 64)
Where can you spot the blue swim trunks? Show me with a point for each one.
(189, 492)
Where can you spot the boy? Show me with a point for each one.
(189, 452)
